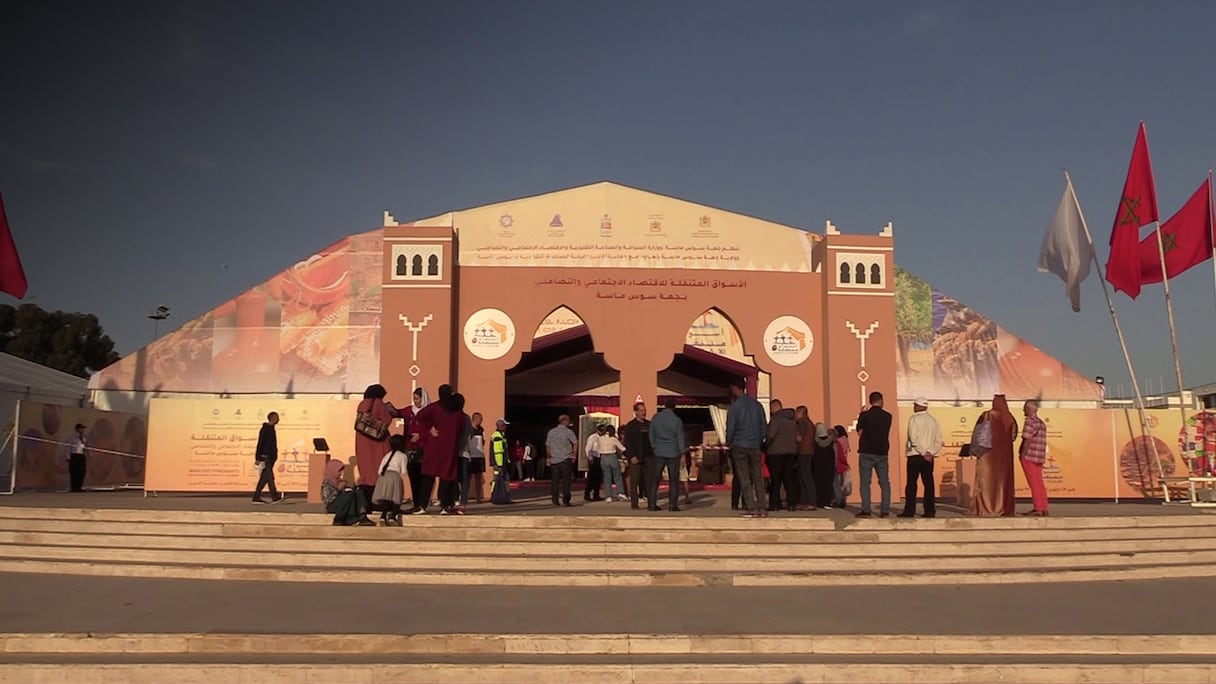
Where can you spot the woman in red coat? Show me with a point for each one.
(368, 451)
(445, 422)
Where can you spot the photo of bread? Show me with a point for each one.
(964, 350)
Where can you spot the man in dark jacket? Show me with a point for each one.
(667, 439)
(806, 450)
(745, 430)
(782, 454)
(874, 427)
(264, 457)
(635, 435)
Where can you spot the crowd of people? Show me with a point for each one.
(785, 461)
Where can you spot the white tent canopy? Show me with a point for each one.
(22, 380)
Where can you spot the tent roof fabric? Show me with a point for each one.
(17, 374)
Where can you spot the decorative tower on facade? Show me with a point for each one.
(418, 304)
(859, 320)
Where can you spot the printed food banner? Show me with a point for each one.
(117, 445)
(947, 351)
(313, 328)
(207, 445)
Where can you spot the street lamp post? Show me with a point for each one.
(158, 314)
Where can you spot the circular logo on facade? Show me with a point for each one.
(788, 340)
(489, 334)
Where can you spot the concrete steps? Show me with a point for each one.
(745, 672)
(604, 658)
(623, 550)
(604, 550)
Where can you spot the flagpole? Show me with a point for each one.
(1169, 308)
(1145, 429)
(1212, 222)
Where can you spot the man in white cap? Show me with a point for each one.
(924, 444)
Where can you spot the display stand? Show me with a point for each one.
(1202, 491)
(316, 469)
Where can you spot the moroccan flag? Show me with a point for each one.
(1186, 238)
(12, 276)
(1137, 207)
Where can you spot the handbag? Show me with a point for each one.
(981, 439)
(368, 425)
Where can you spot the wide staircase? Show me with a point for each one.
(602, 551)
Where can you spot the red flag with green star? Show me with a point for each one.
(1186, 238)
(1137, 207)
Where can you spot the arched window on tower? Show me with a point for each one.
(845, 271)
(861, 274)
(432, 265)
(417, 264)
(876, 275)
(402, 266)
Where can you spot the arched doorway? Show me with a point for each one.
(698, 378)
(561, 373)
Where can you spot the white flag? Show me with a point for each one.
(1067, 250)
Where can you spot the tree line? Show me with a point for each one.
(66, 341)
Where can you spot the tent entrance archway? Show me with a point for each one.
(561, 374)
(698, 381)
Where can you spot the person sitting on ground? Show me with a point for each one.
(348, 504)
(390, 491)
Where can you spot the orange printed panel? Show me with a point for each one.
(117, 445)
(1139, 473)
(1080, 457)
(207, 445)
(313, 328)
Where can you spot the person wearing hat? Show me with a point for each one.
(924, 443)
(76, 458)
(500, 488)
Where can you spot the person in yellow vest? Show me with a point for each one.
(500, 460)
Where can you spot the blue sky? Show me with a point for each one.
(177, 153)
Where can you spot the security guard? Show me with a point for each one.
(500, 490)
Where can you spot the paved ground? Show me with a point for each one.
(534, 500)
(49, 603)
